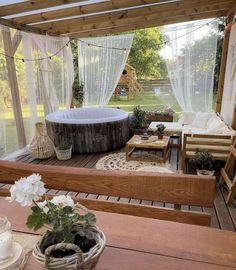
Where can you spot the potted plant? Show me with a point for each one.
(137, 120)
(63, 151)
(203, 162)
(160, 131)
(72, 240)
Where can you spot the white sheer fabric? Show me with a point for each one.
(190, 57)
(44, 85)
(100, 68)
(229, 93)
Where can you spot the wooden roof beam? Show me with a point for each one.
(82, 10)
(146, 24)
(145, 19)
(112, 19)
(32, 5)
(22, 27)
(57, 25)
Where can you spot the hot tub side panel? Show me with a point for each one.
(90, 138)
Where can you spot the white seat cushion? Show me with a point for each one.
(190, 129)
(170, 126)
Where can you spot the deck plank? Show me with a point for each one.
(222, 212)
(231, 208)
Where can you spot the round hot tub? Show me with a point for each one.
(89, 130)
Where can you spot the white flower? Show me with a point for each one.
(42, 205)
(27, 189)
(63, 201)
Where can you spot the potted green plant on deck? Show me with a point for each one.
(203, 162)
(72, 240)
(137, 121)
(63, 151)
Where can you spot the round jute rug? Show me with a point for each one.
(118, 161)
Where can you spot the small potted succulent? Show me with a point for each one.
(203, 162)
(63, 151)
(137, 121)
(160, 131)
(72, 240)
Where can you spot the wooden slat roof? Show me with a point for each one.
(81, 18)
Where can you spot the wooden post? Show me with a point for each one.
(234, 117)
(12, 78)
(220, 88)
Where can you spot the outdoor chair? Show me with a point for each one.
(217, 145)
(178, 189)
(228, 174)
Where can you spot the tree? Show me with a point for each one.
(221, 28)
(145, 54)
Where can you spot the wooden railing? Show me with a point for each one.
(178, 189)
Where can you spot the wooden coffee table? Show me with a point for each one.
(153, 143)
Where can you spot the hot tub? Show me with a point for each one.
(89, 130)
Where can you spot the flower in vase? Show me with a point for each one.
(61, 215)
(27, 189)
(160, 128)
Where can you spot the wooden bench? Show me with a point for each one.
(217, 145)
(178, 189)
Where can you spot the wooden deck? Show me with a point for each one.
(223, 216)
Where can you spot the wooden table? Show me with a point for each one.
(135, 243)
(153, 143)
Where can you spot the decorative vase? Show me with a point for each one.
(205, 172)
(160, 137)
(41, 146)
(79, 260)
(64, 154)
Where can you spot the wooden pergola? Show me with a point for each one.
(80, 18)
(96, 18)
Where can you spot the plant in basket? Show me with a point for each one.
(72, 240)
(63, 151)
(160, 131)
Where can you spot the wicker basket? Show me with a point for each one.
(63, 154)
(79, 260)
(41, 146)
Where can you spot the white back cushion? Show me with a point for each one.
(201, 119)
(187, 118)
(215, 123)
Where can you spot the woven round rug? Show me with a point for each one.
(118, 161)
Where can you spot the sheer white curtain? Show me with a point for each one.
(229, 93)
(49, 81)
(44, 85)
(100, 68)
(190, 58)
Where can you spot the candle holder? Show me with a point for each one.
(11, 253)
